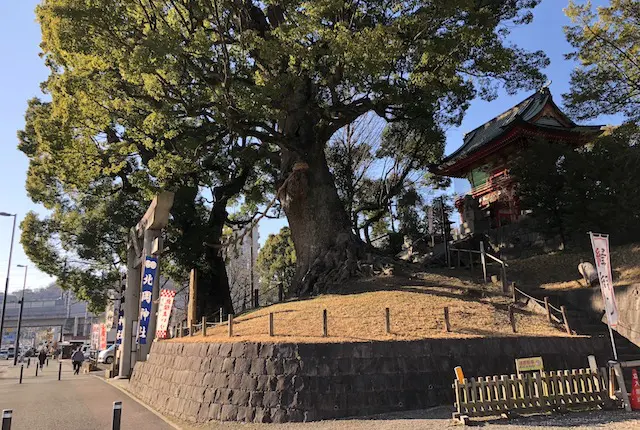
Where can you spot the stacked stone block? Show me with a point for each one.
(264, 382)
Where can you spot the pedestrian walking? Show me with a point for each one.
(77, 358)
(42, 357)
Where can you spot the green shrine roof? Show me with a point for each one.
(528, 111)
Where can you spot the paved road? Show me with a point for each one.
(76, 402)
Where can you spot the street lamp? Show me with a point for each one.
(6, 285)
(17, 347)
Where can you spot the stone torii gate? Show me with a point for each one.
(145, 239)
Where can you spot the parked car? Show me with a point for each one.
(107, 355)
(10, 353)
(4, 354)
(88, 352)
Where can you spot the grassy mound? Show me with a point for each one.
(416, 306)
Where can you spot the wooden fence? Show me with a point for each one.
(526, 393)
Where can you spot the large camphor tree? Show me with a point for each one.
(606, 44)
(287, 74)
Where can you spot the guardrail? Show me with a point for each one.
(483, 263)
(525, 393)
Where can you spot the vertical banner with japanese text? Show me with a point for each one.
(109, 315)
(164, 312)
(103, 336)
(146, 297)
(119, 333)
(95, 336)
(600, 245)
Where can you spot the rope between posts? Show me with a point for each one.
(531, 297)
(538, 300)
(554, 308)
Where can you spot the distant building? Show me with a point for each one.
(488, 151)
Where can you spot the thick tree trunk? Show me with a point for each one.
(199, 248)
(327, 250)
(213, 283)
(213, 287)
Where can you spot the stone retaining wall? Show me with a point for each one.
(262, 382)
(628, 300)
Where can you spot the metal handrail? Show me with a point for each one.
(466, 250)
(497, 259)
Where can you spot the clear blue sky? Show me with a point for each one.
(23, 70)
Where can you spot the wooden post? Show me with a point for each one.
(193, 296)
(280, 292)
(270, 323)
(512, 319)
(192, 327)
(204, 326)
(546, 306)
(612, 382)
(513, 292)
(221, 315)
(230, 320)
(503, 275)
(387, 317)
(447, 324)
(564, 319)
(483, 261)
(325, 331)
(256, 303)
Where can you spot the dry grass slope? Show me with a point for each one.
(416, 306)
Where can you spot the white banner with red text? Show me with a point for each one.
(164, 313)
(600, 245)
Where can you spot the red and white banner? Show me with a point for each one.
(95, 336)
(103, 337)
(164, 312)
(600, 245)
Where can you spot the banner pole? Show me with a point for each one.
(613, 342)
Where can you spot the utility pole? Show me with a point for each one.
(6, 284)
(17, 346)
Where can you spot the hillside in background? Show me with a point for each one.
(559, 270)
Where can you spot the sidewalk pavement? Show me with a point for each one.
(75, 402)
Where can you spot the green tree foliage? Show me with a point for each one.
(541, 175)
(571, 192)
(277, 261)
(607, 47)
(115, 132)
(179, 84)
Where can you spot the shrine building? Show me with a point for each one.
(486, 153)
